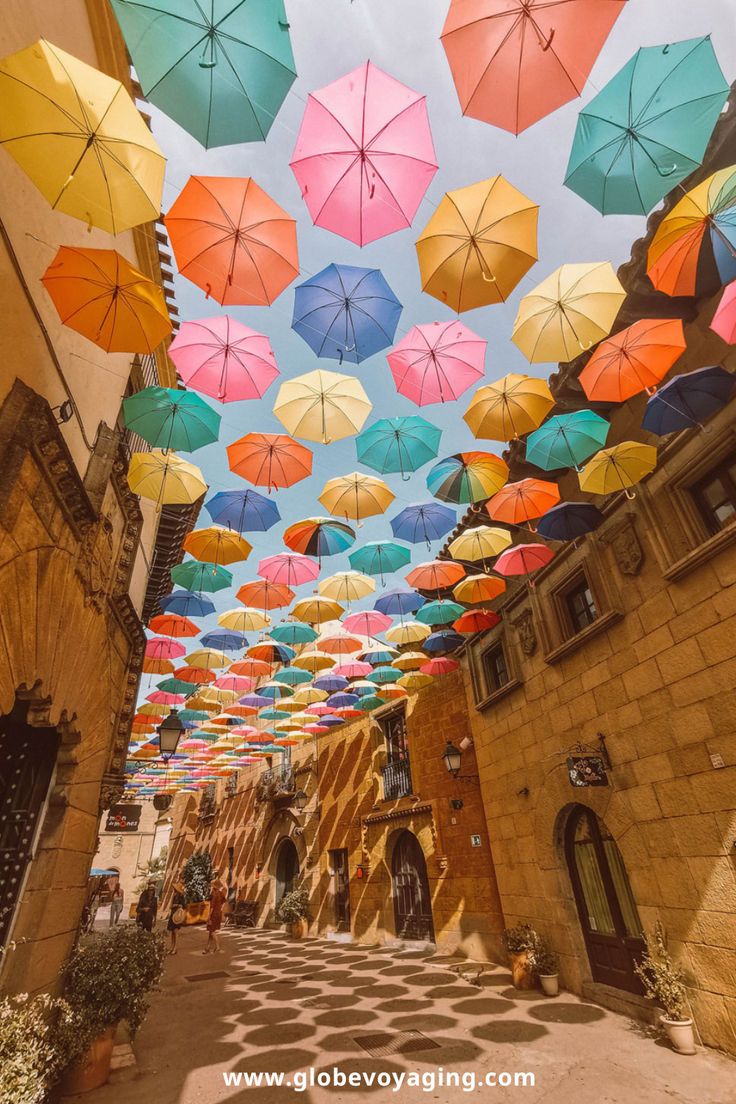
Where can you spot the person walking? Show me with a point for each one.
(214, 923)
(116, 904)
(147, 908)
(176, 914)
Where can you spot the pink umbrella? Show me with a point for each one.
(367, 622)
(316, 729)
(240, 683)
(364, 156)
(160, 697)
(355, 669)
(442, 665)
(223, 358)
(164, 648)
(436, 363)
(320, 709)
(724, 320)
(522, 559)
(290, 568)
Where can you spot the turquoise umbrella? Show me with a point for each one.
(273, 714)
(176, 686)
(294, 632)
(382, 675)
(220, 68)
(439, 613)
(566, 440)
(647, 129)
(398, 444)
(201, 577)
(370, 702)
(171, 419)
(379, 558)
(292, 676)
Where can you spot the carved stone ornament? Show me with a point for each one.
(111, 790)
(526, 632)
(95, 564)
(627, 550)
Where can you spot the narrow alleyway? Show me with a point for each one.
(267, 1003)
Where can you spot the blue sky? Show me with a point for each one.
(329, 38)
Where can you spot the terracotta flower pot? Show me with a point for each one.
(298, 929)
(93, 1068)
(681, 1035)
(550, 984)
(520, 970)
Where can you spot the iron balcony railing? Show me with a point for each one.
(276, 783)
(396, 779)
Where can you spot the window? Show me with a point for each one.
(715, 495)
(495, 668)
(393, 725)
(580, 605)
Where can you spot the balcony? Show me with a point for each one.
(396, 779)
(277, 785)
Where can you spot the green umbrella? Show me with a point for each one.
(220, 68)
(171, 419)
(201, 577)
(379, 557)
(439, 612)
(648, 127)
(398, 444)
(566, 440)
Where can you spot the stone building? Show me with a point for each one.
(128, 843)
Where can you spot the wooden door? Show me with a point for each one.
(341, 889)
(412, 903)
(287, 869)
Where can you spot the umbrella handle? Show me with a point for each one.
(631, 495)
(548, 43)
(490, 279)
(586, 347)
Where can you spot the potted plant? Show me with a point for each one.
(521, 943)
(32, 1053)
(292, 911)
(545, 964)
(107, 980)
(198, 875)
(664, 982)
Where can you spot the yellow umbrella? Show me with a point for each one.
(513, 405)
(409, 661)
(304, 718)
(216, 697)
(308, 695)
(80, 138)
(478, 244)
(199, 702)
(244, 620)
(568, 312)
(409, 632)
(483, 542)
(217, 545)
(356, 496)
(322, 406)
(313, 661)
(153, 710)
(207, 658)
(290, 705)
(414, 681)
(347, 586)
(165, 478)
(288, 725)
(316, 609)
(618, 468)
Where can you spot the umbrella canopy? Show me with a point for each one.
(243, 620)
(168, 624)
(269, 459)
(399, 601)
(522, 559)
(467, 477)
(436, 363)
(317, 609)
(322, 406)
(443, 641)
(223, 75)
(568, 312)
(694, 248)
(170, 419)
(474, 589)
(476, 620)
(647, 129)
(618, 468)
(288, 569)
(328, 684)
(346, 313)
(569, 520)
(566, 440)
(293, 632)
(364, 155)
(244, 511)
(414, 681)
(356, 496)
(314, 661)
(100, 295)
(217, 545)
(481, 543)
(435, 575)
(515, 61)
(724, 320)
(80, 139)
(208, 658)
(187, 604)
(523, 501)
(339, 643)
(207, 577)
(164, 649)
(319, 537)
(347, 587)
(379, 557)
(232, 240)
(382, 675)
(439, 666)
(478, 244)
(400, 444)
(439, 612)
(409, 661)
(223, 358)
(165, 478)
(633, 360)
(292, 676)
(509, 407)
(367, 622)
(423, 521)
(265, 595)
(688, 400)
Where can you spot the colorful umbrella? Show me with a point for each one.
(688, 400)
(436, 363)
(288, 569)
(383, 653)
(187, 604)
(339, 643)
(414, 681)
(217, 545)
(409, 661)
(520, 502)
(618, 468)
(265, 595)
(423, 521)
(400, 444)
(222, 76)
(317, 609)
(356, 496)
(346, 313)
(474, 589)
(439, 666)
(164, 649)
(647, 129)
(232, 240)
(382, 675)
(328, 684)
(569, 520)
(244, 620)
(165, 478)
(522, 559)
(223, 358)
(292, 676)
(207, 577)
(633, 360)
(568, 312)
(467, 477)
(476, 620)
(478, 244)
(694, 248)
(191, 676)
(253, 666)
(435, 575)
(439, 612)
(319, 537)
(367, 622)
(443, 641)
(399, 601)
(244, 511)
(208, 658)
(724, 320)
(509, 407)
(269, 459)
(566, 440)
(480, 543)
(293, 632)
(379, 558)
(347, 587)
(80, 138)
(314, 661)
(515, 61)
(322, 406)
(171, 419)
(364, 155)
(157, 666)
(100, 295)
(171, 625)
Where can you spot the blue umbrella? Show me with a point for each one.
(399, 601)
(443, 641)
(688, 400)
(382, 675)
(275, 690)
(423, 521)
(330, 683)
(273, 714)
(255, 701)
(187, 715)
(225, 640)
(186, 603)
(346, 313)
(379, 655)
(244, 511)
(569, 520)
(331, 721)
(340, 700)
(294, 632)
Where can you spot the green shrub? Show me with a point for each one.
(32, 1050)
(198, 875)
(663, 979)
(521, 938)
(544, 960)
(293, 906)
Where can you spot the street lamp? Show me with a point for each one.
(452, 757)
(169, 733)
(300, 801)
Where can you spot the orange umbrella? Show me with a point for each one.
(100, 295)
(265, 595)
(232, 240)
(153, 666)
(251, 668)
(478, 588)
(171, 624)
(269, 459)
(217, 545)
(523, 501)
(435, 575)
(633, 360)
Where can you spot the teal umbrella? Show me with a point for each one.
(398, 444)
(566, 440)
(294, 632)
(439, 613)
(647, 129)
(379, 558)
(220, 68)
(201, 577)
(171, 419)
(176, 686)
(292, 676)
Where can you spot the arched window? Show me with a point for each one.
(287, 869)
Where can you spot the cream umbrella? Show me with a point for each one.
(322, 406)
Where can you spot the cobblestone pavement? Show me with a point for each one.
(267, 1003)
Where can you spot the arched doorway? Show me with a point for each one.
(287, 868)
(412, 903)
(608, 913)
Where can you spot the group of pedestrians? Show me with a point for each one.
(147, 911)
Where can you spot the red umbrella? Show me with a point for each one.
(521, 559)
(473, 621)
(198, 676)
(436, 363)
(442, 665)
(724, 320)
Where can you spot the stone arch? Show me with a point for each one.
(282, 825)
